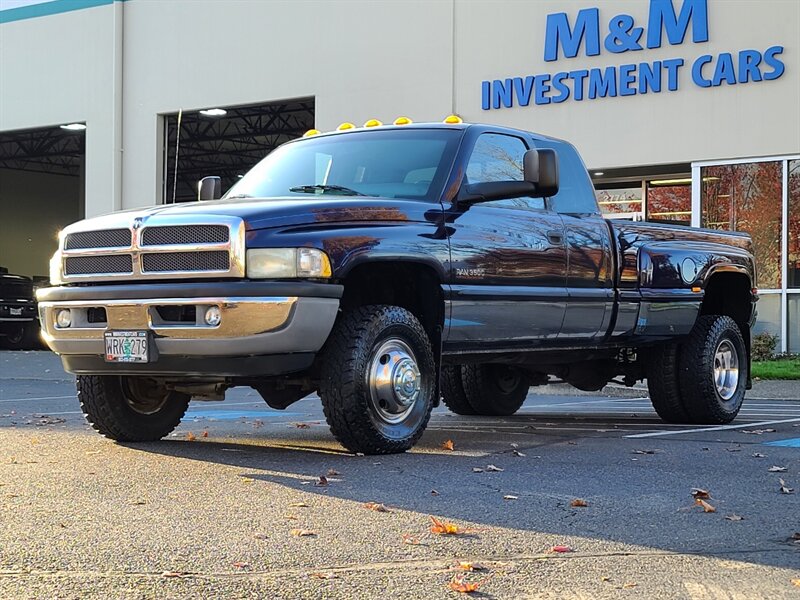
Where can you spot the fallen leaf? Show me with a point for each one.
(333, 473)
(190, 437)
(785, 489)
(248, 479)
(138, 502)
(376, 506)
(795, 536)
(261, 536)
(734, 517)
(298, 505)
(441, 527)
(561, 549)
(448, 445)
(628, 585)
(701, 494)
(410, 540)
(644, 452)
(321, 481)
(796, 582)
(605, 578)
(460, 584)
(434, 493)
(319, 575)
(759, 455)
(510, 497)
(301, 425)
(93, 452)
(477, 470)
(241, 565)
(470, 566)
(777, 469)
(302, 532)
(706, 506)
(517, 453)
(579, 503)
(205, 433)
(494, 469)
(173, 574)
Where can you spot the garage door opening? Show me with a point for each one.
(226, 142)
(42, 175)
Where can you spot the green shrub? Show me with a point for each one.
(763, 346)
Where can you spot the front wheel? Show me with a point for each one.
(378, 380)
(713, 370)
(130, 409)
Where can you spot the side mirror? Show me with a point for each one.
(540, 179)
(541, 168)
(209, 188)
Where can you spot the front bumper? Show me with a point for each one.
(258, 319)
(17, 311)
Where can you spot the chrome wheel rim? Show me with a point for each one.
(144, 396)
(393, 380)
(726, 369)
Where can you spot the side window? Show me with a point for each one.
(575, 190)
(498, 157)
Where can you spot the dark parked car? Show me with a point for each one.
(19, 324)
(386, 267)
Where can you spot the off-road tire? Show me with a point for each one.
(453, 391)
(664, 385)
(701, 399)
(27, 338)
(343, 385)
(103, 401)
(484, 393)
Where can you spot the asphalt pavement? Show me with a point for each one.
(232, 505)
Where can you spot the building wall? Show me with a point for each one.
(120, 65)
(506, 39)
(42, 204)
(65, 68)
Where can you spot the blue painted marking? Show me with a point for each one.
(232, 415)
(790, 443)
(54, 7)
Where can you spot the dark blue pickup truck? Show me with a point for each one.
(385, 268)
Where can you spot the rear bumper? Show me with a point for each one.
(258, 320)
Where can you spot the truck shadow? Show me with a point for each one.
(633, 499)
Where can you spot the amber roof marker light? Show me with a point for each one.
(453, 120)
(402, 121)
(345, 126)
(373, 123)
(311, 133)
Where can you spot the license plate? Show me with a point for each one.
(127, 346)
(15, 312)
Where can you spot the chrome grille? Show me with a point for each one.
(172, 235)
(185, 261)
(102, 264)
(108, 238)
(153, 247)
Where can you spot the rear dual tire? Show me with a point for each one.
(484, 389)
(703, 379)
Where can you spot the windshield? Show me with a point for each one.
(392, 163)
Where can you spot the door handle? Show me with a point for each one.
(556, 238)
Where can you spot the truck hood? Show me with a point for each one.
(262, 213)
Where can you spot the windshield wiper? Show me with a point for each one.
(313, 189)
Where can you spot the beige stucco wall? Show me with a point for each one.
(496, 39)
(118, 67)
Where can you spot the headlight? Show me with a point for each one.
(55, 269)
(283, 263)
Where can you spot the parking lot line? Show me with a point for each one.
(791, 443)
(42, 398)
(720, 428)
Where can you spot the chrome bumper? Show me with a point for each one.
(248, 325)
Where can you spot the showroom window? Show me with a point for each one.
(761, 197)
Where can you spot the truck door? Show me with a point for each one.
(590, 267)
(508, 258)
